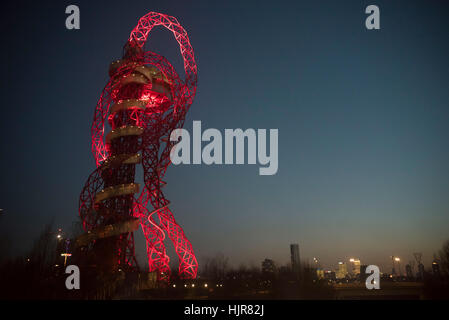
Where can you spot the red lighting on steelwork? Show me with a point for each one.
(143, 102)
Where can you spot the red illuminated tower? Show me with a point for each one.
(144, 101)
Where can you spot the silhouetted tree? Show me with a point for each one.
(33, 276)
(216, 267)
(43, 252)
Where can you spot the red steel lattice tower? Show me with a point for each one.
(143, 102)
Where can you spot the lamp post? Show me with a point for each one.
(65, 255)
(355, 266)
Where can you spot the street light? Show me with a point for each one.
(65, 255)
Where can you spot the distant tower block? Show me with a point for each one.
(294, 253)
(342, 271)
(355, 266)
(436, 268)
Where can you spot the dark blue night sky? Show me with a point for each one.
(362, 118)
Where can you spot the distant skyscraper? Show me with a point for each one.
(420, 275)
(294, 251)
(355, 266)
(342, 270)
(329, 275)
(320, 273)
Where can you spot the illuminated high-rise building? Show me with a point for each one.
(355, 266)
(436, 268)
(320, 273)
(342, 270)
(329, 275)
(409, 271)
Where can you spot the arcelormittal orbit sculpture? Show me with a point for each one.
(143, 102)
